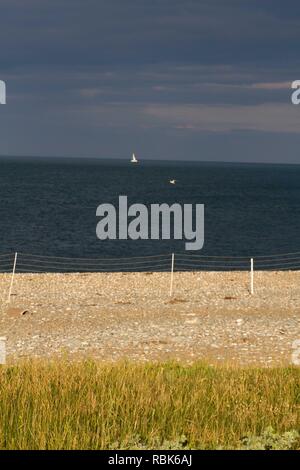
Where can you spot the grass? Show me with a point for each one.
(91, 405)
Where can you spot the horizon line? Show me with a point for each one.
(156, 160)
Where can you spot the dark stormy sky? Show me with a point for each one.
(168, 79)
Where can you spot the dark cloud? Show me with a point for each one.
(99, 77)
(101, 32)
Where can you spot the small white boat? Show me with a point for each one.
(172, 181)
(134, 159)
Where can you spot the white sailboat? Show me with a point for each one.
(134, 159)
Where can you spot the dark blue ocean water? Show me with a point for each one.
(48, 206)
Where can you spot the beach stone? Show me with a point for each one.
(17, 311)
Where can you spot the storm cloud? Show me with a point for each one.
(192, 79)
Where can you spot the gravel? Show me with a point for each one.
(111, 316)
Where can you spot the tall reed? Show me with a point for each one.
(91, 405)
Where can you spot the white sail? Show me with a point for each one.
(134, 160)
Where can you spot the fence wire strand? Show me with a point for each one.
(27, 262)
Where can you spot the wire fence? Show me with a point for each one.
(32, 263)
(35, 263)
(14, 263)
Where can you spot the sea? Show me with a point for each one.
(48, 205)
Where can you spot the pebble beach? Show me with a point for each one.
(210, 316)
